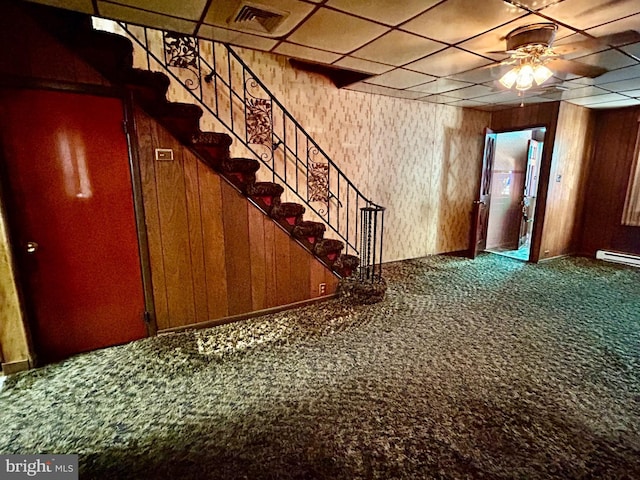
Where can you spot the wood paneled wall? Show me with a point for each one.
(572, 151)
(538, 115)
(615, 137)
(213, 253)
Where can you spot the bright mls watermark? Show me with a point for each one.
(52, 467)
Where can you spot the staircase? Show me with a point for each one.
(347, 214)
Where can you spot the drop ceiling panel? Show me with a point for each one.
(609, 59)
(236, 38)
(621, 25)
(336, 32)
(440, 85)
(191, 10)
(579, 93)
(499, 97)
(380, 90)
(448, 62)
(623, 85)
(306, 53)
(471, 92)
(439, 99)
(456, 20)
(400, 78)
(633, 49)
(585, 14)
(362, 65)
(221, 13)
(617, 103)
(378, 36)
(467, 104)
(610, 97)
(383, 11)
(397, 48)
(141, 17)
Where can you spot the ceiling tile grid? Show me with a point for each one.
(443, 51)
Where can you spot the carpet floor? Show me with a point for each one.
(492, 369)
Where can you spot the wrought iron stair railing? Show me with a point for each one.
(222, 84)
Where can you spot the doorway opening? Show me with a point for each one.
(514, 190)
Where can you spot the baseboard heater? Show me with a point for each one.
(618, 257)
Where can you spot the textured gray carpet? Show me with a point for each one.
(489, 369)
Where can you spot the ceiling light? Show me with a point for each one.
(541, 74)
(509, 78)
(525, 74)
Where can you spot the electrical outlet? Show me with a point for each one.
(322, 288)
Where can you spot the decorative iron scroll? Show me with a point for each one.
(318, 186)
(259, 121)
(181, 51)
(258, 116)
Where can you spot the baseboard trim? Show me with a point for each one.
(15, 367)
(245, 316)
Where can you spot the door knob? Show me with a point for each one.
(478, 202)
(32, 247)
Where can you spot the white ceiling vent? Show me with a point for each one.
(258, 18)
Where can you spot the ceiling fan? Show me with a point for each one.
(535, 59)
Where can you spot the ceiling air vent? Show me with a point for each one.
(257, 18)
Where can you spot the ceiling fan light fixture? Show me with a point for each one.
(541, 74)
(525, 77)
(509, 78)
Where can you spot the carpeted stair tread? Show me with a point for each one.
(288, 214)
(240, 165)
(329, 249)
(211, 139)
(266, 189)
(149, 87)
(240, 171)
(308, 231)
(346, 264)
(265, 194)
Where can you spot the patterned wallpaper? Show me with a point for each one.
(419, 160)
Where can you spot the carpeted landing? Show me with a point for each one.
(491, 369)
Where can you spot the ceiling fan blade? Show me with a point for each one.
(577, 68)
(613, 40)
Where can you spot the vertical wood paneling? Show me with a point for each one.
(615, 136)
(571, 154)
(270, 246)
(236, 245)
(174, 232)
(152, 217)
(196, 243)
(258, 260)
(283, 267)
(300, 277)
(213, 242)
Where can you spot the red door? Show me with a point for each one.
(480, 214)
(72, 217)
